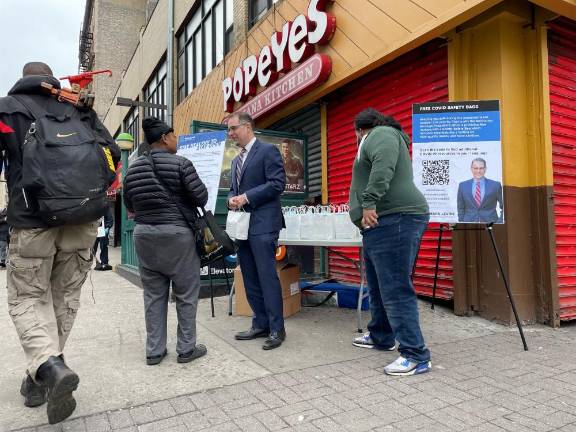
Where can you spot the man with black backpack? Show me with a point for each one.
(61, 161)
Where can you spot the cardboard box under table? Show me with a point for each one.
(289, 275)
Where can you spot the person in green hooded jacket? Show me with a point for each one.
(392, 215)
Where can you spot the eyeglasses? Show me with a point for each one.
(233, 128)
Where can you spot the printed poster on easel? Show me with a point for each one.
(457, 160)
(206, 151)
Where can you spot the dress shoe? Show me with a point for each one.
(60, 381)
(154, 360)
(98, 267)
(274, 340)
(34, 394)
(253, 333)
(197, 352)
(105, 267)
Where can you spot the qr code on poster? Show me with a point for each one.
(435, 172)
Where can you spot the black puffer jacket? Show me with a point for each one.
(146, 196)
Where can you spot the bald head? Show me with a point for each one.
(36, 68)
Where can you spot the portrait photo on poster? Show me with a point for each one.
(457, 160)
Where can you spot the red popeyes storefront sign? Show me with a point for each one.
(294, 44)
(308, 75)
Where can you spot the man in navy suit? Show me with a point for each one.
(257, 181)
(477, 197)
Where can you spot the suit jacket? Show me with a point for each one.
(468, 211)
(262, 180)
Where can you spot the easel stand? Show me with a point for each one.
(212, 286)
(488, 228)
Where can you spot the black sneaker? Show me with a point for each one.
(34, 394)
(197, 352)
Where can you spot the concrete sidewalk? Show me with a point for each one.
(482, 380)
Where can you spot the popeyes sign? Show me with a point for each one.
(294, 44)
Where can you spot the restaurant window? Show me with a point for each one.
(132, 126)
(155, 93)
(203, 42)
(258, 9)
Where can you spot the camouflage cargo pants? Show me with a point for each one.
(46, 270)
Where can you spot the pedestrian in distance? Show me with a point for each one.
(102, 241)
(392, 215)
(164, 192)
(4, 234)
(258, 179)
(61, 161)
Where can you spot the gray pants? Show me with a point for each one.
(167, 254)
(3, 250)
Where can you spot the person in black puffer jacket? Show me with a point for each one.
(164, 240)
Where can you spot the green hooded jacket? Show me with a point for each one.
(382, 177)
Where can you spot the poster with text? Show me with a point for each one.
(206, 151)
(457, 160)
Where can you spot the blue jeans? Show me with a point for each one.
(390, 249)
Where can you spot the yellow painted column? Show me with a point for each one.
(502, 55)
(324, 151)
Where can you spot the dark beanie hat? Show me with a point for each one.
(154, 129)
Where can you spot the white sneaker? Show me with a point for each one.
(365, 341)
(403, 366)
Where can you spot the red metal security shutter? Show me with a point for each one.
(562, 72)
(418, 76)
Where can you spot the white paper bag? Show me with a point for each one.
(324, 223)
(292, 220)
(344, 228)
(238, 224)
(316, 223)
(308, 224)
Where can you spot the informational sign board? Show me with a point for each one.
(457, 160)
(206, 151)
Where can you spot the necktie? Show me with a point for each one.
(478, 195)
(239, 166)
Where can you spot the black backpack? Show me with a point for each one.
(65, 170)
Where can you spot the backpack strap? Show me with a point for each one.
(169, 192)
(31, 105)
